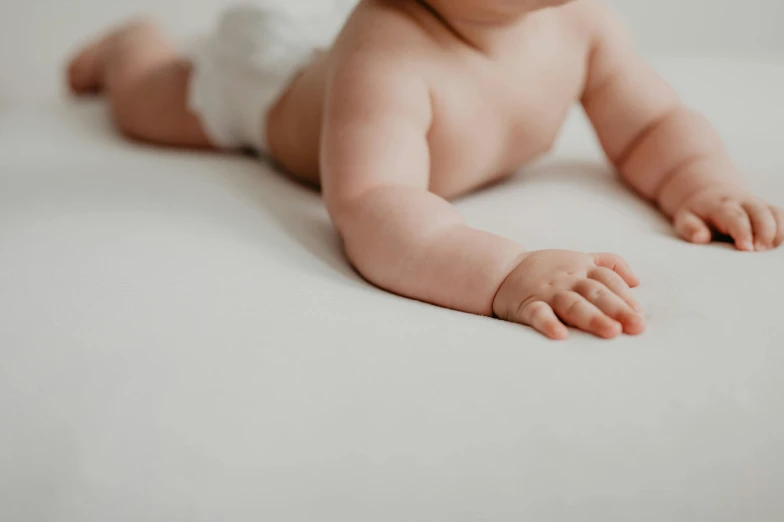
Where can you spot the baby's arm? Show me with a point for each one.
(375, 165)
(401, 237)
(667, 152)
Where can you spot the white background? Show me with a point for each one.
(181, 337)
(37, 35)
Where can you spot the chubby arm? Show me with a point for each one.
(404, 239)
(667, 152)
(375, 175)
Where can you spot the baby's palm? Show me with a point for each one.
(553, 288)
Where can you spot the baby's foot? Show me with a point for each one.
(86, 70)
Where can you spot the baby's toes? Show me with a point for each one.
(779, 215)
(86, 68)
(84, 71)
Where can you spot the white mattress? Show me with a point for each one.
(181, 338)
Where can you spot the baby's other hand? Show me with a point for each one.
(749, 221)
(551, 288)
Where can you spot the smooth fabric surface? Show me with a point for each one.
(181, 338)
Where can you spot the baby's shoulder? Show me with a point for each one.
(381, 62)
(592, 18)
(393, 32)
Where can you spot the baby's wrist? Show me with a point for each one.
(512, 267)
(689, 185)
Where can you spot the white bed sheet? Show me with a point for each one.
(181, 338)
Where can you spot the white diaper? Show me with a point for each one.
(241, 70)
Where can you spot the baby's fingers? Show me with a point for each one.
(540, 316)
(691, 228)
(616, 285)
(612, 305)
(764, 222)
(618, 265)
(729, 218)
(576, 311)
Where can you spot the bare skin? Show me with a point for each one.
(419, 102)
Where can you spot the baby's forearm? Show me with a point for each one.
(676, 156)
(413, 243)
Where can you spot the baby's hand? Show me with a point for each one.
(749, 221)
(588, 291)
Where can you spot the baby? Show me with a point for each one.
(419, 101)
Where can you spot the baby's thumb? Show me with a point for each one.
(691, 227)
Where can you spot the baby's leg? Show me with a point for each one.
(146, 83)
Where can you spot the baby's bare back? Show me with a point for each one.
(488, 115)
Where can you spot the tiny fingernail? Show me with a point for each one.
(761, 247)
(746, 245)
